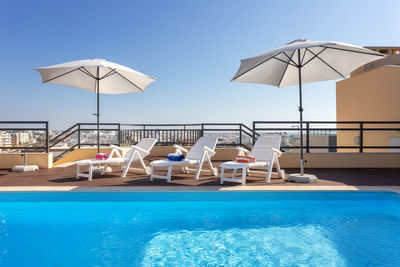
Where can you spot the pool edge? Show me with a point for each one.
(395, 189)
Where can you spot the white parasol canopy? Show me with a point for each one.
(98, 76)
(304, 61)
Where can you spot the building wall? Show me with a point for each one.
(369, 96)
(43, 160)
(390, 59)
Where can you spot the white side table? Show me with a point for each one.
(233, 165)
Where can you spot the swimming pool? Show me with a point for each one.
(200, 229)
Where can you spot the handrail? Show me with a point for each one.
(69, 129)
(64, 152)
(363, 127)
(11, 132)
(23, 122)
(65, 137)
(247, 128)
(162, 124)
(325, 122)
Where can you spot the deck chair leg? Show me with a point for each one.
(151, 173)
(142, 163)
(129, 162)
(244, 176)
(222, 175)
(78, 168)
(90, 172)
(269, 172)
(281, 173)
(169, 174)
(103, 171)
(126, 169)
(213, 171)
(199, 166)
(145, 168)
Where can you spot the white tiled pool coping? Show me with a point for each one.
(198, 188)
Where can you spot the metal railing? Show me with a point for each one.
(340, 135)
(24, 136)
(326, 136)
(166, 134)
(231, 134)
(85, 135)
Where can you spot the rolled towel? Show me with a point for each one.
(245, 159)
(102, 156)
(175, 157)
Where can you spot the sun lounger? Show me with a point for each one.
(265, 151)
(202, 150)
(119, 156)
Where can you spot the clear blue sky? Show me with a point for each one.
(193, 48)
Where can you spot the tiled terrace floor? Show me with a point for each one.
(65, 176)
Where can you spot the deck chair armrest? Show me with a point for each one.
(277, 151)
(116, 150)
(140, 149)
(242, 151)
(119, 148)
(181, 148)
(212, 152)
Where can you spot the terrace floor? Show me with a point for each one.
(66, 176)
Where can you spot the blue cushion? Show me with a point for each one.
(176, 157)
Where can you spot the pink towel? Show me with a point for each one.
(102, 156)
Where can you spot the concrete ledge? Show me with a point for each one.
(43, 160)
(157, 151)
(288, 160)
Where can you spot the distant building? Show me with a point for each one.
(371, 93)
(5, 139)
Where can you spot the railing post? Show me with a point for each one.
(307, 137)
(119, 134)
(79, 135)
(254, 132)
(361, 137)
(47, 137)
(240, 134)
(202, 130)
(184, 135)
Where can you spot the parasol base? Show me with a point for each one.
(25, 168)
(305, 178)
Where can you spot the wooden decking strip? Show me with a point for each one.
(55, 178)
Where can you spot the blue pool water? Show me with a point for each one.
(200, 229)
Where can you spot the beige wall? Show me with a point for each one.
(370, 96)
(288, 160)
(315, 140)
(78, 154)
(157, 151)
(43, 160)
(342, 160)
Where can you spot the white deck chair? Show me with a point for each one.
(120, 156)
(202, 150)
(265, 150)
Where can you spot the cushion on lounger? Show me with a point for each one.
(245, 159)
(175, 157)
